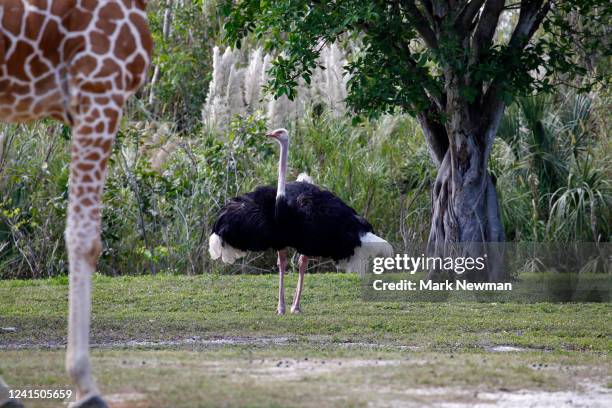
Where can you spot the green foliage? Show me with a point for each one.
(33, 193)
(402, 64)
(182, 63)
(581, 210)
(171, 208)
(554, 171)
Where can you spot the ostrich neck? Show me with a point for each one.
(282, 169)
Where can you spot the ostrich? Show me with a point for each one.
(296, 215)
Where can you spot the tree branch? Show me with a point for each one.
(485, 30)
(435, 134)
(531, 16)
(420, 24)
(428, 8)
(440, 9)
(465, 18)
(429, 90)
(432, 92)
(491, 103)
(429, 118)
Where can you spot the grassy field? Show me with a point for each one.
(196, 341)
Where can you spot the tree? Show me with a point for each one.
(453, 64)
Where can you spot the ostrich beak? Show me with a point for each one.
(271, 134)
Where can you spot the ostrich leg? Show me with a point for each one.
(282, 266)
(93, 134)
(302, 265)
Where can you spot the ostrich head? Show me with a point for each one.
(280, 135)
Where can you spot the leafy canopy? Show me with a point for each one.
(411, 53)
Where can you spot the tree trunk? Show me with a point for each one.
(465, 207)
(466, 219)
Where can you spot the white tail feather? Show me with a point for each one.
(371, 246)
(219, 249)
(304, 178)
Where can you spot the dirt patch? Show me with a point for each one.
(127, 400)
(506, 349)
(292, 369)
(591, 396)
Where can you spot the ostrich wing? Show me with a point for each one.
(324, 225)
(246, 222)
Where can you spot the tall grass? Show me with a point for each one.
(33, 193)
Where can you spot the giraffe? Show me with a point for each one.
(76, 61)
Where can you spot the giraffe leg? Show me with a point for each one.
(302, 265)
(5, 400)
(282, 266)
(93, 133)
(4, 392)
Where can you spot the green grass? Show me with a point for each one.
(170, 307)
(341, 351)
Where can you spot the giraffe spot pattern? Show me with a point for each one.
(77, 61)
